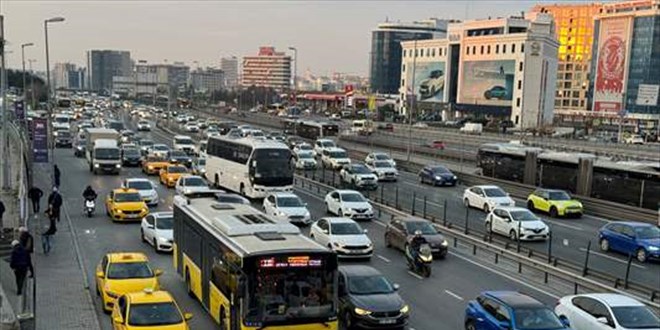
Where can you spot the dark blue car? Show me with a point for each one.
(499, 310)
(437, 175)
(641, 240)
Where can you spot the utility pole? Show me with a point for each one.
(295, 73)
(412, 102)
(5, 112)
(23, 61)
(30, 61)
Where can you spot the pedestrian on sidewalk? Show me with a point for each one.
(19, 262)
(56, 174)
(35, 195)
(2, 212)
(47, 236)
(27, 241)
(55, 203)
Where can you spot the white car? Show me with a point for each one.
(143, 125)
(384, 170)
(379, 156)
(211, 132)
(184, 143)
(323, 144)
(181, 119)
(303, 147)
(606, 311)
(145, 188)
(516, 222)
(335, 158)
(190, 184)
(191, 127)
(344, 236)
(159, 150)
(358, 176)
(304, 160)
(286, 206)
(486, 197)
(348, 203)
(157, 230)
(634, 139)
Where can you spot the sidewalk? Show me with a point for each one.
(62, 300)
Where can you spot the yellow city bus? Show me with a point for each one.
(250, 271)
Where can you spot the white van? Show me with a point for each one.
(184, 143)
(362, 127)
(472, 128)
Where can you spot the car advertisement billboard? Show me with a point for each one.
(487, 82)
(611, 64)
(429, 80)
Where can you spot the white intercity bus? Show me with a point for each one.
(250, 166)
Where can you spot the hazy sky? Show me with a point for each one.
(331, 36)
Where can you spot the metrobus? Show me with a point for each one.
(251, 166)
(250, 271)
(315, 129)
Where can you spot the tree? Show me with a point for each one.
(15, 81)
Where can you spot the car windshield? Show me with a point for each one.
(305, 155)
(154, 314)
(440, 170)
(289, 202)
(178, 153)
(338, 154)
(360, 169)
(328, 144)
(536, 319)
(423, 226)
(161, 147)
(131, 152)
(146, 143)
(176, 169)
(382, 164)
(352, 197)
(140, 185)
(125, 270)
(494, 192)
(382, 157)
(559, 196)
(649, 232)
(636, 317)
(346, 228)
(127, 197)
(165, 223)
(367, 285)
(304, 147)
(523, 215)
(195, 182)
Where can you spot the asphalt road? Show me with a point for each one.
(571, 237)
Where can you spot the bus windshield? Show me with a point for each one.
(298, 290)
(271, 167)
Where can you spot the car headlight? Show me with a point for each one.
(455, 177)
(437, 177)
(281, 213)
(97, 165)
(445, 243)
(163, 240)
(307, 214)
(405, 309)
(118, 165)
(145, 210)
(118, 211)
(654, 248)
(112, 294)
(360, 311)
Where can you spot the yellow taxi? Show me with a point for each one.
(171, 173)
(148, 310)
(125, 204)
(120, 273)
(152, 165)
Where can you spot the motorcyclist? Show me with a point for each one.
(89, 194)
(415, 243)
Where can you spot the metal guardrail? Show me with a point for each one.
(580, 277)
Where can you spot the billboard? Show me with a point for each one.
(487, 82)
(429, 81)
(40, 140)
(611, 64)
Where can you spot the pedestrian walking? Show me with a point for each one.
(20, 263)
(55, 203)
(35, 195)
(47, 236)
(27, 241)
(2, 212)
(56, 174)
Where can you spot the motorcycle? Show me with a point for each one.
(422, 261)
(90, 205)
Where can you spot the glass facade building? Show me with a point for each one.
(102, 65)
(644, 67)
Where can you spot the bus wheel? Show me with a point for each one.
(222, 318)
(188, 285)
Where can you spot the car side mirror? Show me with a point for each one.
(188, 316)
(100, 274)
(325, 231)
(158, 272)
(150, 226)
(366, 231)
(396, 286)
(118, 319)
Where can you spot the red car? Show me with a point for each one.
(436, 144)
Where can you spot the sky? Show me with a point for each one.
(331, 36)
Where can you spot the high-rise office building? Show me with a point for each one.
(269, 68)
(68, 76)
(209, 80)
(229, 65)
(385, 59)
(575, 33)
(102, 65)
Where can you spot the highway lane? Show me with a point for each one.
(570, 236)
(98, 235)
(442, 297)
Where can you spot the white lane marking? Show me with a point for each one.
(454, 295)
(502, 274)
(612, 258)
(555, 223)
(383, 258)
(415, 275)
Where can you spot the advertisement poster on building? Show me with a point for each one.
(40, 140)
(611, 64)
(487, 82)
(429, 81)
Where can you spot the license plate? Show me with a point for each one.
(131, 215)
(387, 321)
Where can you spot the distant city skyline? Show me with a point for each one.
(331, 36)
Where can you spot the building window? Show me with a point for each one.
(569, 76)
(474, 50)
(404, 53)
(497, 49)
(517, 119)
(557, 103)
(519, 84)
(428, 52)
(565, 103)
(467, 50)
(513, 48)
(482, 49)
(433, 52)
(440, 51)
(403, 67)
(582, 103)
(488, 48)
(520, 66)
(415, 52)
(518, 102)
(503, 48)
(522, 47)
(574, 103)
(576, 94)
(567, 84)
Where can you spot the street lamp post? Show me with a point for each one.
(295, 73)
(23, 61)
(48, 86)
(412, 103)
(30, 61)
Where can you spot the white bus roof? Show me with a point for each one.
(246, 229)
(254, 142)
(93, 130)
(182, 137)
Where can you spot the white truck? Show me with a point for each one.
(102, 152)
(362, 127)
